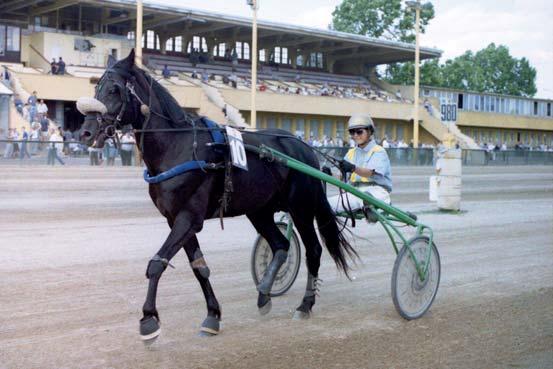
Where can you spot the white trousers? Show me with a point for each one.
(337, 202)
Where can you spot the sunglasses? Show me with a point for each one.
(358, 132)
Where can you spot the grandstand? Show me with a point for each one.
(309, 80)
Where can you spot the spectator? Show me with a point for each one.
(42, 109)
(228, 54)
(204, 57)
(428, 107)
(26, 111)
(32, 101)
(8, 151)
(166, 72)
(6, 76)
(398, 95)
(234, 58)
(503, 147)
(61, 66)
(54, 148)
(194, 57)
(233, 79)
(263, 87)
(15, 137)
(44, 128)
(67, 138)
(54, 66)
(385, 143)
(127, 147)
(94, 155)
(35, 137)
(23, 150)
(297, 78)
(205, 76)
(110, 152)
(18, 104)
(194, 74)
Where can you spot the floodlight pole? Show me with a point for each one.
(253, 118)
(138, 34)
(417, 6)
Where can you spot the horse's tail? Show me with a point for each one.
(335, 241)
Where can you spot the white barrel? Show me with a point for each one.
(448, 167)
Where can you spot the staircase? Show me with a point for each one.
(440, 129)
(217, 102)
(466, 142)
(16, 119)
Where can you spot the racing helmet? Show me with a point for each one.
(362, 120)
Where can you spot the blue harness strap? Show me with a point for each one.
(216, 135)
(175, 171)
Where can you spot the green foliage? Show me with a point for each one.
(380, 18)
(491, 69)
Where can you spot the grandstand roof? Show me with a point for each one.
(174, 21)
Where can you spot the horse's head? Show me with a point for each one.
(113, 106)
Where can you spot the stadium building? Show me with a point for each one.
(309, 80)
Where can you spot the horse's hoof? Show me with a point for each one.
(301, 315)
(265, 309)
(149, 330)
(210, 327)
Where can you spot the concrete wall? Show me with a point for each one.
(57, 87)
(475, 119)
(316, 105)
(60, 44)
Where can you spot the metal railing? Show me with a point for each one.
(398, 157)
(426, 157)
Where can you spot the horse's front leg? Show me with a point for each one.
(181, 231)
(210, 325)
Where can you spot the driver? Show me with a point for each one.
(368, 164)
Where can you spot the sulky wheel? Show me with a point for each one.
(413, 297)
(262, 256)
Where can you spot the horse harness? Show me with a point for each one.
(219, 140)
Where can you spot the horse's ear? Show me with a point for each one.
(111, 61)
(128, 62)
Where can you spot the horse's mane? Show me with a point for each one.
(169, 106)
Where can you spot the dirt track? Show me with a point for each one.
(75, 243)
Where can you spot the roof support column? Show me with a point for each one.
(330, 61)
(211, 43)
(163, 42)
(294, 56)
(305, 57)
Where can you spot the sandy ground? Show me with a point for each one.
(75, 242)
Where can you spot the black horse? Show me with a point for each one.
(126, 96)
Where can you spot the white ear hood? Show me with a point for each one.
(87, 105)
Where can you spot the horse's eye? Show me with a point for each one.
(113, 90)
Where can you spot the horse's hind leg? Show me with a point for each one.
(303, 220)
(210, 325)
(264, 223)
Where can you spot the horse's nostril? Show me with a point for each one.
(86, 134)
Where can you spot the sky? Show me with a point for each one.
(524, 26)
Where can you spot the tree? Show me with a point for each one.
(380, 19)
(404, 73)
(384, 19)
(491, 69)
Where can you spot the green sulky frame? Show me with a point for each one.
(385, 214)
